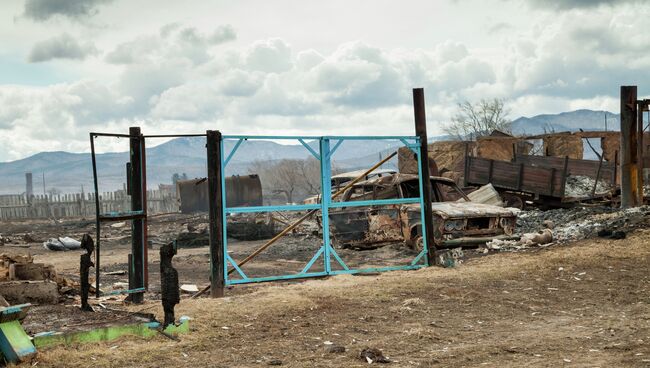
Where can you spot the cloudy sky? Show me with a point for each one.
(68, 67)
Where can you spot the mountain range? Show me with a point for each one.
(69, 172)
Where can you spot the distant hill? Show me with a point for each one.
(566, 122)
(68, 172)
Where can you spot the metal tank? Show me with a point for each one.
(241, 191)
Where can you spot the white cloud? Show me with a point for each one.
(41, 10)
(60, 47)
(189, 102)
(239, 83)
(271, 56)
(187, 78)
(173, 41)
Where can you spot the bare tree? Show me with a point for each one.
(290, 177)
(295, 178)
(310, 176)
(476, 120)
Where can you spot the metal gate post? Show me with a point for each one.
(326, 198)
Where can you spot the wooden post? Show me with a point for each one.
(615, 179)
(138, 242)
(565, 173)
(467, 165)
(215, 212)
(421, 131)
(628, 147)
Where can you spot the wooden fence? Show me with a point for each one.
(81, 204)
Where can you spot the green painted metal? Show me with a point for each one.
(150, 329)
(14, 342)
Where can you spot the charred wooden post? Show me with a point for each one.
(29, 193)
(419, 111)
(138, 241)
(600, 167)
(629, 174)
(215, 212)
(85, 263)
(168, 282)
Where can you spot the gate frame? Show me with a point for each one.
(324, 156)
(136, 169)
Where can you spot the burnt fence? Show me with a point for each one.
(19, 206)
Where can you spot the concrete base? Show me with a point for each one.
(37, 292)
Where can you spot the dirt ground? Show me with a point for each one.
(287, 256)
(579, 305)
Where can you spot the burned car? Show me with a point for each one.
(457, 221)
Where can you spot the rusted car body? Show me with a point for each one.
(456, 224)
(338, 181)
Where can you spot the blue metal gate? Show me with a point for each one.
(327, 146)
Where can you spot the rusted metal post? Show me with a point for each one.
(641, 106)
(97, 222)
(421, 131)
(138, 242)
(628, 147)
(145, 226)
(215, 213)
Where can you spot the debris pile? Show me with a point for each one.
(23, 281)
(578, 186)
(582, 222)
(527, 240)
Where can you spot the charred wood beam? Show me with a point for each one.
(628, 147)
(138, 241)
(168, 283)
(215, 213)
(85, 263)
(419, 110)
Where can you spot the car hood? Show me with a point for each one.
(469, 209)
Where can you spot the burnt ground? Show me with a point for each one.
(68, 318)
(287, 256)
(583, 304)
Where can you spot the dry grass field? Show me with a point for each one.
(582, 305)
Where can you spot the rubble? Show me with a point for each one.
(582, 186)
(581, 222)
(23, 281)
(486, 195)
(373, 355)
(612, 234)
(527, 240)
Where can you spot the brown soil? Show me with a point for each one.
(68, 318)
(582, 305)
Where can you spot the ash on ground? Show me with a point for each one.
(581, 222)
(578, 186)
